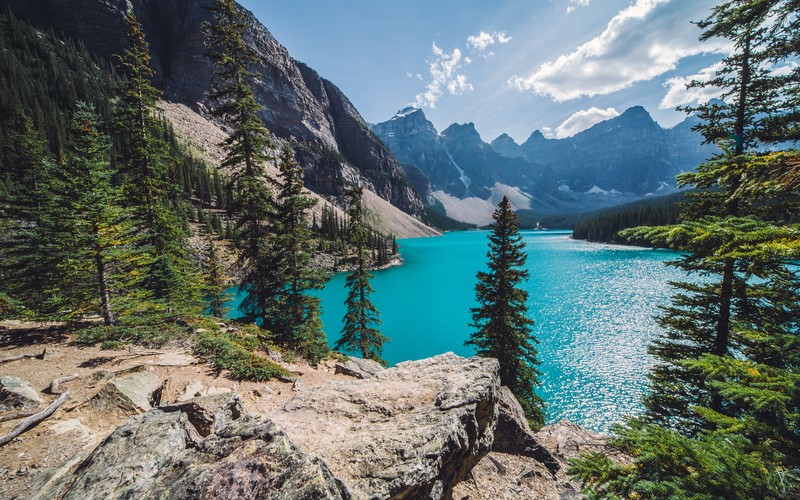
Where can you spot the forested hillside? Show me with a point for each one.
(605, 225)
(104, 212)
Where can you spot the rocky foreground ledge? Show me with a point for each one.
(437, 428)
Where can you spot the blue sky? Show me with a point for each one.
(508, 66)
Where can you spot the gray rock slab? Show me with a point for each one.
(16, 394)
(412, 431)
(159, 455)
(359, 368)
(134, 393)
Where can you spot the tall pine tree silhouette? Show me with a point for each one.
(501, 319)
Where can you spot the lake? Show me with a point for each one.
(593, 305)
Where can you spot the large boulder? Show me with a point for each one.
(15, 394)
(359, 368)
(135, 393)
(513, 434)
(412, 431)
(161, 454)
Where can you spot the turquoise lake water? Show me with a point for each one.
(593, 305)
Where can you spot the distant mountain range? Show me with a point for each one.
(616, 161)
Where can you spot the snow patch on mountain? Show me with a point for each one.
(478, 211)
(598, 190)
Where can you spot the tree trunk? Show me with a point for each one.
(105, 298)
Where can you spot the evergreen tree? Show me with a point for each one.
(29, 211)
(216, 282)
(359, 332)
(246, 151)
(727, 379)
(503, 327)
(168, 276)
(95, 233)
(294, 318)
(702, 317)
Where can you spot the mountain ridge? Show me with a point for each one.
(330, 138)
(615, 161)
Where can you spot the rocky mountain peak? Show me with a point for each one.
(505, 145)
(409, 111)
(536, 136)
(464, 132)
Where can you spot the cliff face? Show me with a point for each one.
(334, 143)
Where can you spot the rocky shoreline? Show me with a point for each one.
(161, 425)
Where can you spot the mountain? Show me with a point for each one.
(331, 139)
(628, 153)
(616, 161)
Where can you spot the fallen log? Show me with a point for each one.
(17, 415)
(34, 419)
(25, 356)
(55, 385)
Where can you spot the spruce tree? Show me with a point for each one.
(294, 319)
(360, 332)
(726, 382)
(95, 232)
(169, 279)
(503, 328)
(246, 152)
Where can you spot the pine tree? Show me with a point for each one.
(92, 256)
(359, 332)
(727, 381)
(168, 277)
(216, 284)
(294, 319)
(503, 329)
(246, 152)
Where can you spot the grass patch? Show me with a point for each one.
(147, 332)
(235, 353)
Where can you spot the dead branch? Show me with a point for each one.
(34, 419)
(25, 356)
(16, 415)
(55, 385)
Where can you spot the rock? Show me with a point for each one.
(135, 393)
(154, 456)
(194, 389)
(213, 391)
(413, 431)
(16, 394)
(519, 475)
(209, 413)
(513, 434)
(568, 440)
(173, 359)
(359, 368)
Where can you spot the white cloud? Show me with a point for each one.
(483, 40)
(644, 40)
(582, 120)
(445, 75)
(574, 4)
(679, 95)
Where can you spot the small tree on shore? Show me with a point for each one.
(503, 327)
(359, 332)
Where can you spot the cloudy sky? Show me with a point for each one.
(509, 66)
